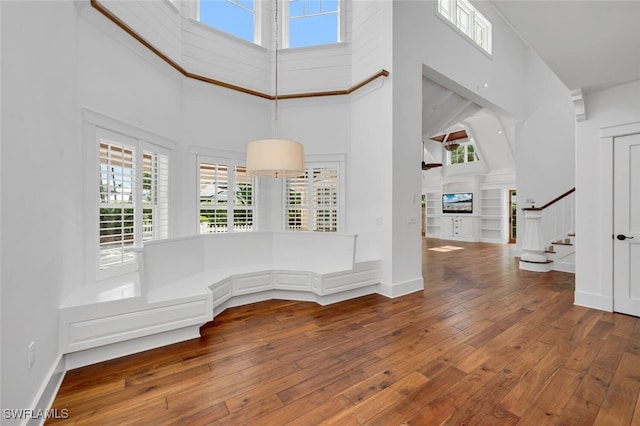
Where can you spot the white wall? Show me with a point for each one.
(41, 180)
(369, 168)
(406, 153)
(545, 157)
(1, 192)
(594, 218)
(448, 53)
(158, 22)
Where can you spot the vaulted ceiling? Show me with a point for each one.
(445, 111)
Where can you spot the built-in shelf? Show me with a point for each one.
(492, 215)
(433, 211)
(488, 223)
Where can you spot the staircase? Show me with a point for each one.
(549, 239)
(562, 254)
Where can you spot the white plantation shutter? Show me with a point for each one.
(297, 196)
(133, 200)
(325, 199)
(219, 209)
(214, 184)
(116, 204)
(243, 206)
(312, 200)
(155, 196)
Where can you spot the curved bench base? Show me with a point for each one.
(131, 345)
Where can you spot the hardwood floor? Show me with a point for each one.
(485, 343)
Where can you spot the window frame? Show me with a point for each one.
(285, 33)
(449, 14)
(464, 145)
(258, 18)
(232, 163)
(321, 162)
(94, 127)
(263, 24)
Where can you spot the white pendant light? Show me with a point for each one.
(275, 157)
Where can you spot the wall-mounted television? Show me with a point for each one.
(459, 202)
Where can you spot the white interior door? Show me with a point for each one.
(626, 225)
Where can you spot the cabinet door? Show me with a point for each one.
(447, 227)
(464, 227)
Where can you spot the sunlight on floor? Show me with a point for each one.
(445, 249)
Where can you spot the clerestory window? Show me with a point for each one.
(468, 20)
(236, 17)
(312, 22)
(301, 22)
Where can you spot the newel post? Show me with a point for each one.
(533, 244)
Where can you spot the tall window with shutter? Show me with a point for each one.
(312, 201)
(226, 197)
(133, 197)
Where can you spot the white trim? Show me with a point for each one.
(620, 130)
(393, 290)
(216, 153)
(95, 125)
(127, 347)
(595, 301)
(284, 33)
(126, 129)
(607, 137)
(48, 389)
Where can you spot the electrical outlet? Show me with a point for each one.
(32, 354)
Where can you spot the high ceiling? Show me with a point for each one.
(589, 44)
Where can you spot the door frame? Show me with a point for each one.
(607, 137)
(511, 239)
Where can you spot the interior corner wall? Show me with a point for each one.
(369, 183)
(41, 241)
(606, 108)
(545, 157)
(406, 168)
(545, 139)
(369, 155)
(1, 139)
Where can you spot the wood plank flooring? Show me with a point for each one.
(484, 344)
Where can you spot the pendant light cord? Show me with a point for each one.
(276, 71)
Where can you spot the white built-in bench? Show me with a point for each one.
(184, 282)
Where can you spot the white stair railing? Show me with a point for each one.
(544, 225)
(558, 218)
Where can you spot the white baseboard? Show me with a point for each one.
(402, 288)
(128, 347)
(595, 301)
(564, 267)
(48, 390)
